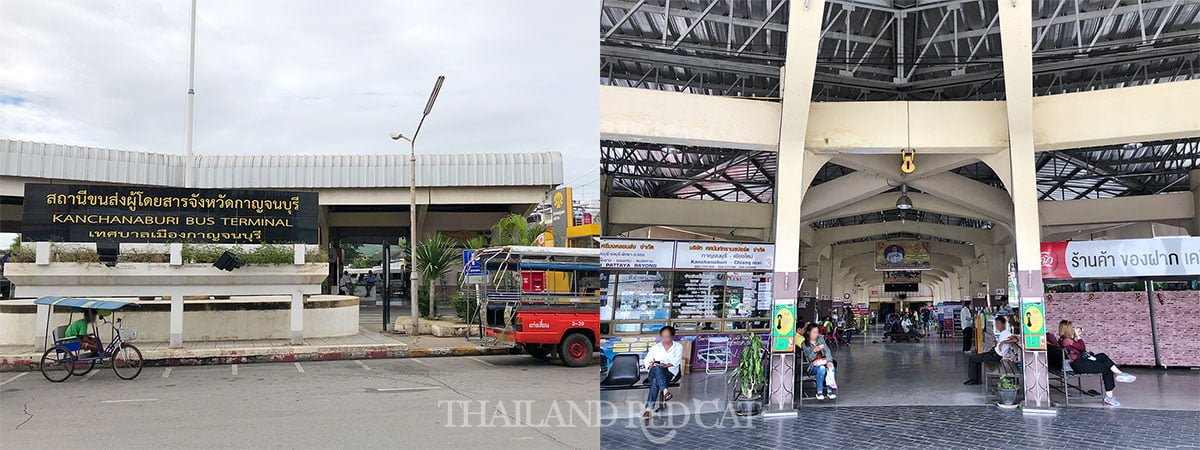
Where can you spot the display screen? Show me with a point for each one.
(900, 287)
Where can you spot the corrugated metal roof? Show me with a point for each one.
(66, 162)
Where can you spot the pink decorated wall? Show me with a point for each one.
(1116, 323)
(1178, 317)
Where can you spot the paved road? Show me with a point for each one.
(395, 403)
(926, 427)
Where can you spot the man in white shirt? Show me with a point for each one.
(967, 324)
(662, 361)
(1004, 340)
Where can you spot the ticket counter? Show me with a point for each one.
(711, 292)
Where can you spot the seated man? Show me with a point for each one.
(1004, 340)
(662, 362)
(79, 329)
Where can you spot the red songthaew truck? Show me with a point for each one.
(543, 299)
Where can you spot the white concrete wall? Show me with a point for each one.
(153, 326)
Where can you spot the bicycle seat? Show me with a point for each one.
(58, 332)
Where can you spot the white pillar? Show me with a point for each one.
(297, 318)
(1015, 41)
(176, 254)
(804, 28)
(39, 330)
(176, 319)
(42, 253)
(1194, 181)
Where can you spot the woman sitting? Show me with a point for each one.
(1083, 361)
(820, 361)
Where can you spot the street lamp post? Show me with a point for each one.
(414, 279)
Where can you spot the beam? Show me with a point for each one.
(641, 115)
(1138, 208)
(1155, 112)
(698, 213)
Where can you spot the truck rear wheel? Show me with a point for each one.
(575, 350)
(538, 351)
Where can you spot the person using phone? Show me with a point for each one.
(1071, 340)
(662, 363)
(820, 359)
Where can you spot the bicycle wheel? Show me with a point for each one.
(57, 363)
(82, 368)
(127, 362)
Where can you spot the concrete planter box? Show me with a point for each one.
(183, 284)
(32, 280)
(240, 318)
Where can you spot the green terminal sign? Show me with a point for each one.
(1033, 325)
(783, 328)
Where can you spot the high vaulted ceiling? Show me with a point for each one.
(896, 49)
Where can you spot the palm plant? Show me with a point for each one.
(516, 230)
(750, 376)
(476, 243)
(435, 256)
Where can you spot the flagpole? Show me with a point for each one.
(189, 170)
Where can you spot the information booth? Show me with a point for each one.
(711, 292)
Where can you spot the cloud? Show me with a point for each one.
(307, 77)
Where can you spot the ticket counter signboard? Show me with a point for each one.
(717, 290)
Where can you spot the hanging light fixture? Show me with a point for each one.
(904, 202)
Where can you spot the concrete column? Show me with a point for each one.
(811, 259)
(1015, 42)
(42, 253)
(297, 318)
(176, 319)
(176, 250)
(39, 329)
(804, 28)
(825, 282)
(1194, 181)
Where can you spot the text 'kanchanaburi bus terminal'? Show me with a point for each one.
(895, 223)
(297, 250)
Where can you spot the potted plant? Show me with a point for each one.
(749, 377)
(1007, 388)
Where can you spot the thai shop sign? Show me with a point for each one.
(91, 213)
(724, 256)
(1121, 258)
(636, 254)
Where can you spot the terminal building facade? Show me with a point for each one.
(983, 128)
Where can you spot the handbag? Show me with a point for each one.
(830, 380)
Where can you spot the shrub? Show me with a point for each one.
(464, 305)
(192, 253)
(423, 302)
(265, 254)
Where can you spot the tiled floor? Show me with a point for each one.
(929, 373)
(912, 427)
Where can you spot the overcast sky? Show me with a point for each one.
(307, 77)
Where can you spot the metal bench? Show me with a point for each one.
(1060, 370)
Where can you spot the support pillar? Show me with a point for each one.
(825, 282)
(1194, 181)
(39, 330)
(176, 319)
(804, 28)
(297, 307)
(297, 318)
(1015, 41)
